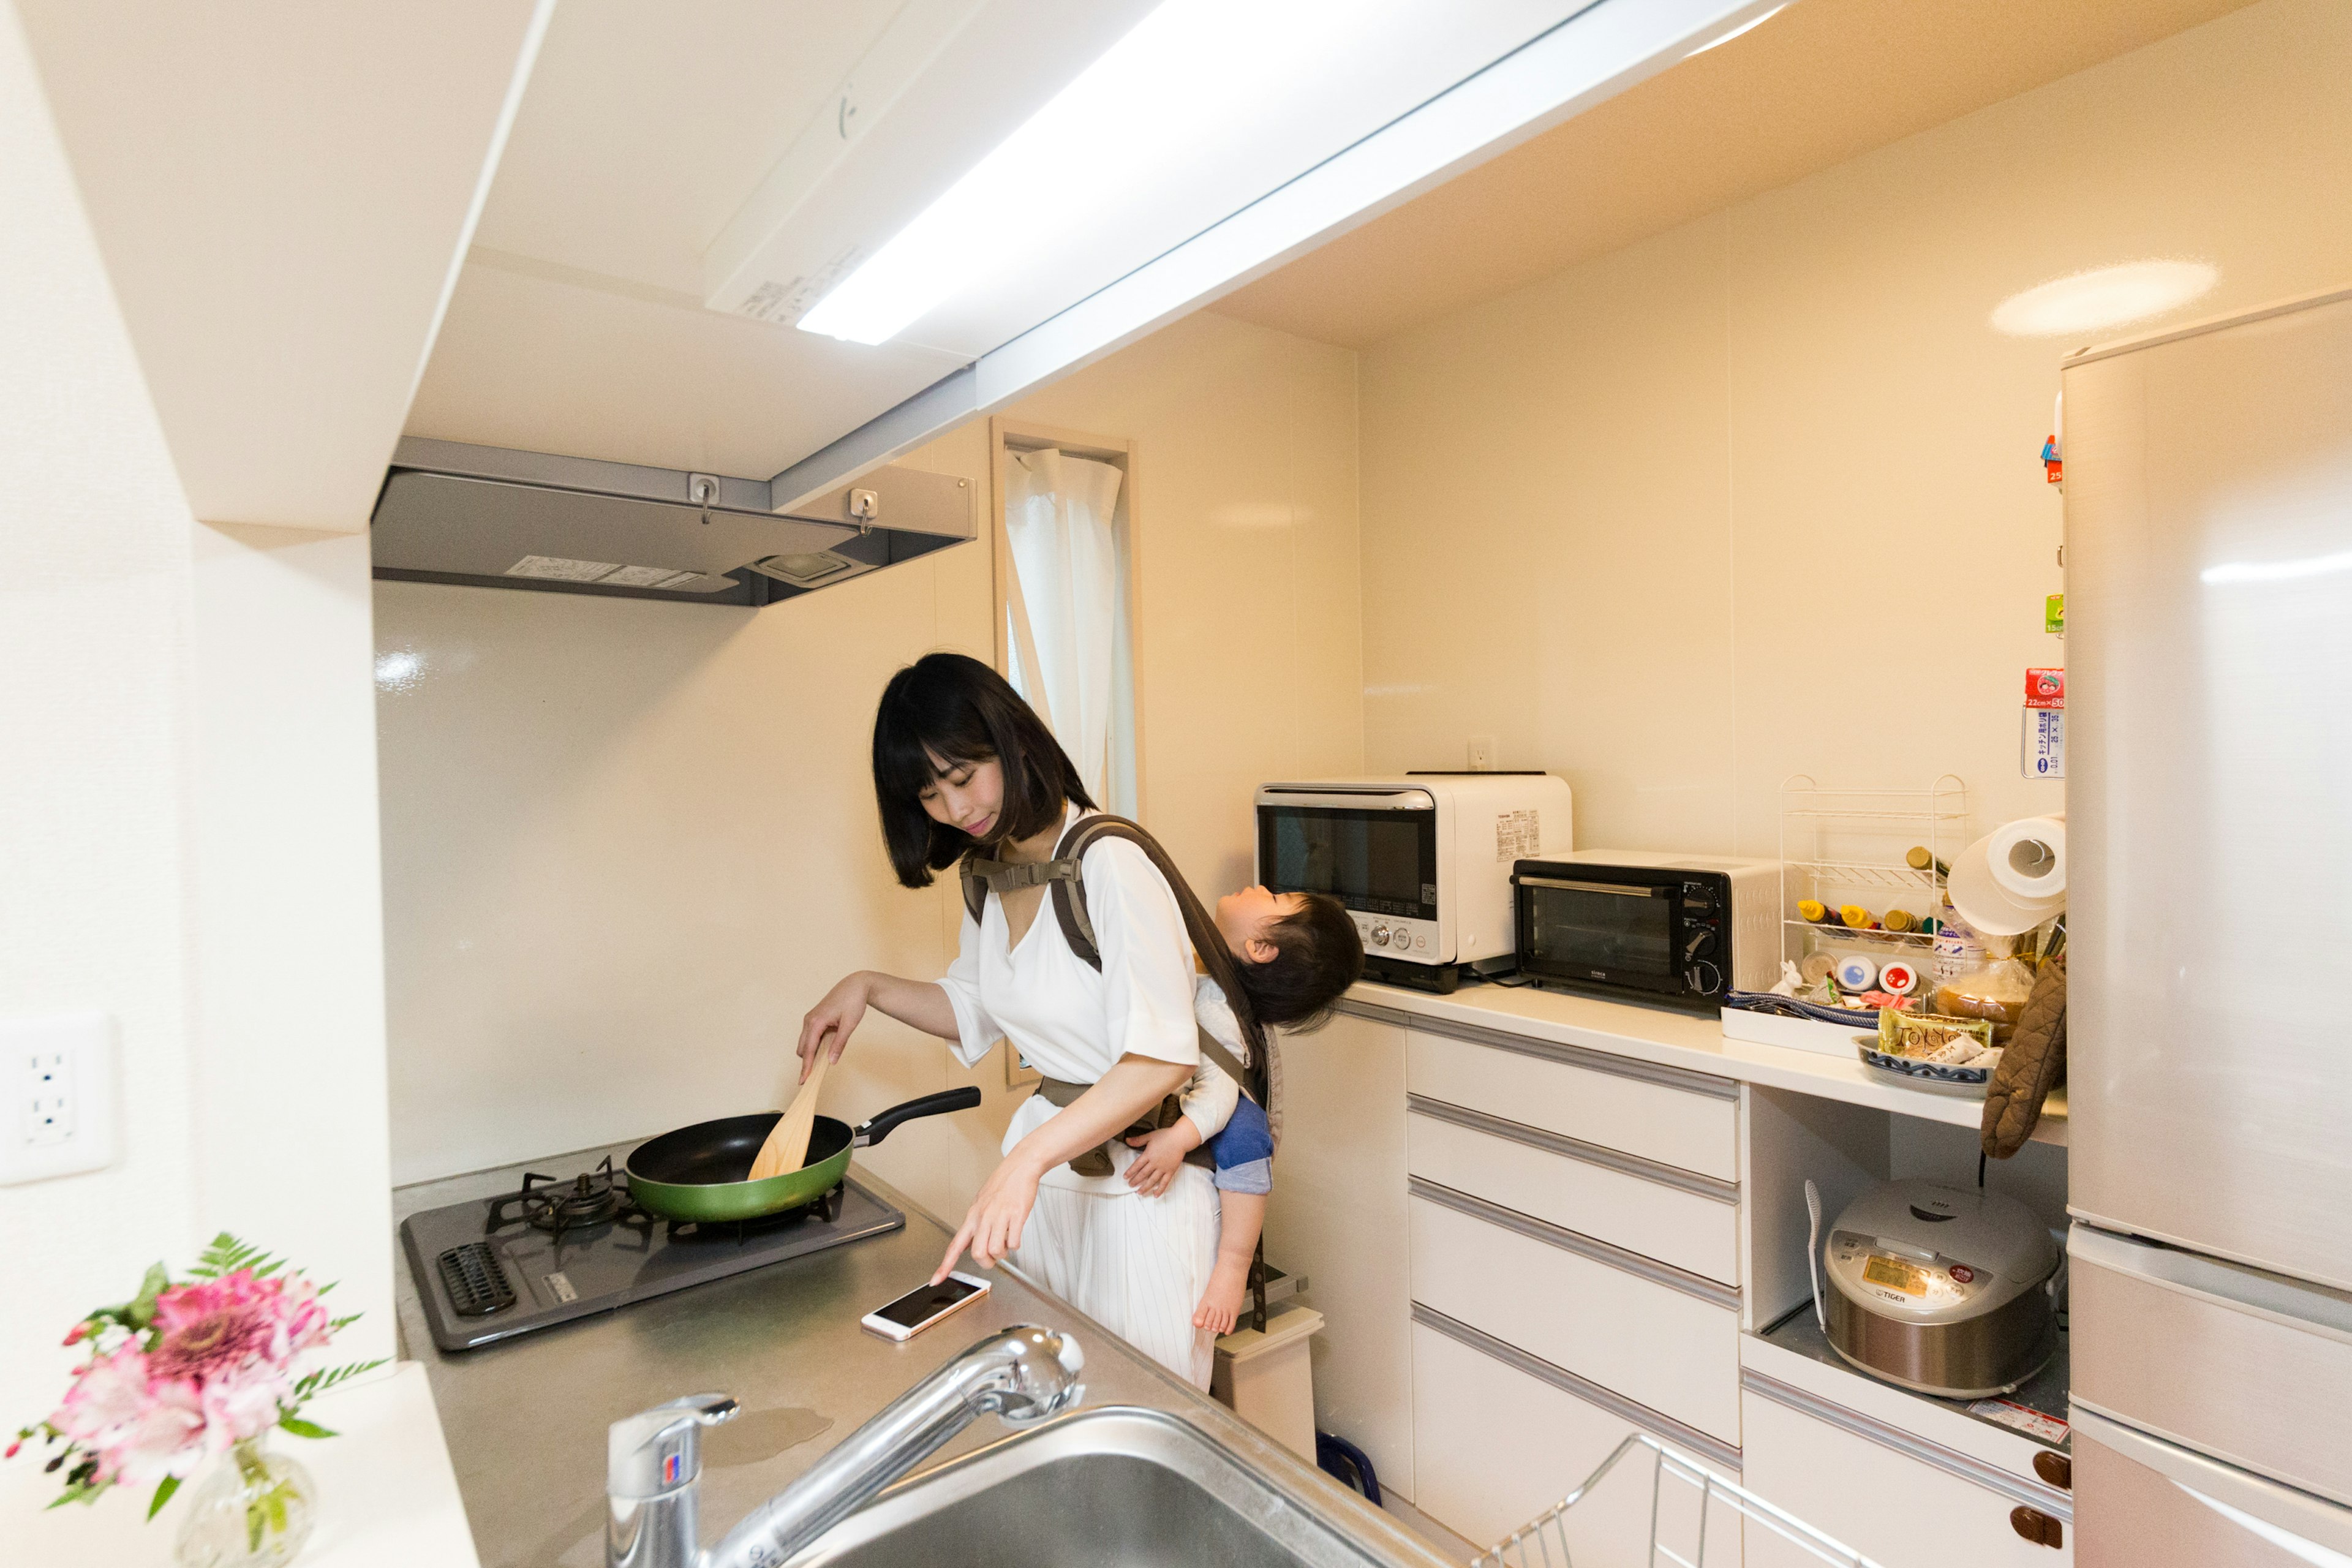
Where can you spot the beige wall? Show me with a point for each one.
(627, 845)
(1759, 495)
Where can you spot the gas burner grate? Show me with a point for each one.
(476, 1284)
(552, 1205)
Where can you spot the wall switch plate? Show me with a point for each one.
(1482, 754)
(57, 1096)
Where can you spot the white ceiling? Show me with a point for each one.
(280, 190)
(578, 325)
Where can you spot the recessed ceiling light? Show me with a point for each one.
(1747, 26)
(1136, 112)
(2103, 297)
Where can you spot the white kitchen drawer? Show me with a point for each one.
(1659, 1336)
(1888, 1495)
(1675, 1216)
(1687, 1120)
(1494, 1445)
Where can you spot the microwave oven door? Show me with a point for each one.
(1377, 855)
(1623, 935)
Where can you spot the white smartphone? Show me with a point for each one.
(919, 1309)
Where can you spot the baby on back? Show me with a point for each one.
(1295, 955)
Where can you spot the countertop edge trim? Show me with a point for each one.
(1951, 1461)
(1666, 1428)
(1684, 1078)
(1607, 1253)
(1714, 1188)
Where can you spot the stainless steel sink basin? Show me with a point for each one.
(1116, 1485)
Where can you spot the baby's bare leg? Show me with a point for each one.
(1243, 1217)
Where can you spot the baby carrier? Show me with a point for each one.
(1260, 1077)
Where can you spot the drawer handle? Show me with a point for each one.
(2055, 1468)
(2037, 1527)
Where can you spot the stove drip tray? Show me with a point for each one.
(555, 1250)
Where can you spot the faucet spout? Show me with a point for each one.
(1020, 1375)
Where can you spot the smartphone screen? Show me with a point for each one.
(918, 1306)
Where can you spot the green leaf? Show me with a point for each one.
(301, 1428)
(140, 1311)
(163, 1490)
(254, 1520)
(276, 1499)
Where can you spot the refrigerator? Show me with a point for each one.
(2208, 630)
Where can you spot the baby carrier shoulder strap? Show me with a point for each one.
(1063, 875)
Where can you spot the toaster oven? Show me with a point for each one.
(1422, 860)
(1681, 929)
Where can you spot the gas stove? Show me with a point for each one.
(558, 1248)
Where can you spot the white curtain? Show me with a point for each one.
(1065, 608)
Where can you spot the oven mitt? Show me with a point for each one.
(2034, 1060)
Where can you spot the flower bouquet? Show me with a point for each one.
(188, 1372)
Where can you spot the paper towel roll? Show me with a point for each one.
(1984, 903)
(2028, 857)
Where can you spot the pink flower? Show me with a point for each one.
(212, 1327)
(140, 1428)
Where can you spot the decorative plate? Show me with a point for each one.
(1967, 1083)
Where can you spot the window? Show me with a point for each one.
(1065, 586)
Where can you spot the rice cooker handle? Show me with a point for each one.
(1813, 1254)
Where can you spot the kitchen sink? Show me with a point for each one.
(1117, 1486)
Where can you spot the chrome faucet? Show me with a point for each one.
(1022, 1375)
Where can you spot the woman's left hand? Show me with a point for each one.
(993, 1228)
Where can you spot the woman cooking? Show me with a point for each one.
(961, 762)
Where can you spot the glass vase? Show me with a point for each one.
(253, 1508)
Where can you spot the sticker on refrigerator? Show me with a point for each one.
(2045, 743)
(1517, 836)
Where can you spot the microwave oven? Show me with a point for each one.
(1679, 929)
(1422, 860)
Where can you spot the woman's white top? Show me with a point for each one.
(1071, 1022)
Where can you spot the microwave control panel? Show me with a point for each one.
(1397, 936)
(1705, 934)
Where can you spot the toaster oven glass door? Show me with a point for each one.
(1378, 861)
(1614, 933)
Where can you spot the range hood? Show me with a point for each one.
(491, 518)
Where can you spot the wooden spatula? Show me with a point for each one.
(786, 1149)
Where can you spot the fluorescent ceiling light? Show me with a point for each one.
(1131, 115)
(1747, 26)
(2104, 297)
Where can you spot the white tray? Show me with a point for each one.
(1800, 1034)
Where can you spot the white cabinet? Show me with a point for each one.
(1687, 1120)
(1495, 1445)
(1687, 1221)
(1338, 1216)
(1662, 1345)
(1888, 1494)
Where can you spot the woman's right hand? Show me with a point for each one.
(829, 1024)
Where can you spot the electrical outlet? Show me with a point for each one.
(1482, 754)
(57, 1075)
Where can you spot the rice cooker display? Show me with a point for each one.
(1912, 1281)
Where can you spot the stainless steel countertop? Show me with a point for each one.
(525, 1418)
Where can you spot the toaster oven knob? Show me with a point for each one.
(1379, 934)
(1700, 945)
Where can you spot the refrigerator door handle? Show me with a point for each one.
(2286, 1517)
(2311, 1309)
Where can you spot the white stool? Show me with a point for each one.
(1267, 1379)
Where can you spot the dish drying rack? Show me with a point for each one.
(1543, 1542)
(1847, 845)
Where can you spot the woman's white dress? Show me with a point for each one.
(1136, 1265)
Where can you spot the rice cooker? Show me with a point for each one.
(1948, 1291)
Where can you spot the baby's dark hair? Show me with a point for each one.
(1318, 955)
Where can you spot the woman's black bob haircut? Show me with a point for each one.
(956, 709)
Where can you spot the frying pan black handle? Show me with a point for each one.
(938, 1104)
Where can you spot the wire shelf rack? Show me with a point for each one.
(1544, 1541)
(1841, 846)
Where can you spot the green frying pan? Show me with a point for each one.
(702, 1173)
